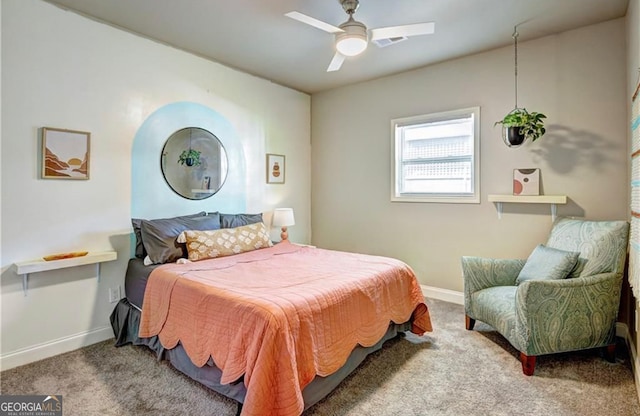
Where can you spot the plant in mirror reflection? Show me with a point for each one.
(190, 157)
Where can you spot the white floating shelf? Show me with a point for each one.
(529, 199)
(24, 268)
(552, 200)
(203, 191)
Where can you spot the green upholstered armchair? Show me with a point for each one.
(543, 316)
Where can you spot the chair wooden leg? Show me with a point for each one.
(528, 363)
(469, 322)
(610, 353)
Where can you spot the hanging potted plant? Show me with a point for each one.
(190, 157)
(520, 125)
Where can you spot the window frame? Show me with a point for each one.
(396, 162)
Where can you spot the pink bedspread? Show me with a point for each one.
(280, 315)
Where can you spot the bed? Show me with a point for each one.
(275, 328)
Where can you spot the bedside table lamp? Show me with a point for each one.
(283, 217)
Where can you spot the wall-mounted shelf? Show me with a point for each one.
(203, 191)
(552, 200)
(25, 268)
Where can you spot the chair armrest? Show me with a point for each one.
(480, 273)
(568, 314)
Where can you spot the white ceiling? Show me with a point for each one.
(254, 35)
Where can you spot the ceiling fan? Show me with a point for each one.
(352, 38)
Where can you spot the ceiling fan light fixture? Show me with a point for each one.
(351, 46)
(353, 41)
(352, 37)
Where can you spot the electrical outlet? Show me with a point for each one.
(114, 294)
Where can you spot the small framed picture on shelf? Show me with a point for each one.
(206, 182)
(65, 154)
(275, 168)
(526, 181)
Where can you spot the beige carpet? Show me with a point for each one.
(450, 371)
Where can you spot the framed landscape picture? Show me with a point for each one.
(65, 154)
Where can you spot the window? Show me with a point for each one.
(436, 157)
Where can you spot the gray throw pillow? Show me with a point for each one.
(159, 236)
(140, 251)
(579, 268)
(137, 222)
(239, 220)
(546, 263)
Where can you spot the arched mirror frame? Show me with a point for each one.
(194, 163)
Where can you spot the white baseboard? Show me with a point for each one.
(443, 294)
(49, 349)
(622, 331)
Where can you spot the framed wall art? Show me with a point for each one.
(206, 182)
(526, 181)
(65, 154)
(275, 168)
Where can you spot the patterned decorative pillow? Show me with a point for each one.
(546, 263)
(225, 242)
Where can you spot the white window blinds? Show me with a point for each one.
(436, 157)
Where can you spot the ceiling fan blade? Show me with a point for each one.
(319, 24)
(336, 62)
(405, 30)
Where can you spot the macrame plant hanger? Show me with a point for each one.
(515, 77)
(189, 160)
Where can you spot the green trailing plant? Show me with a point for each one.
(519, 124)
(531, 123)
(190, 157)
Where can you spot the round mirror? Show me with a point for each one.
(194, 163)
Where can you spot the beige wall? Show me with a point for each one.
(62, 70)
(576, 78)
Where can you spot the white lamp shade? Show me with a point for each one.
(283, 217)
